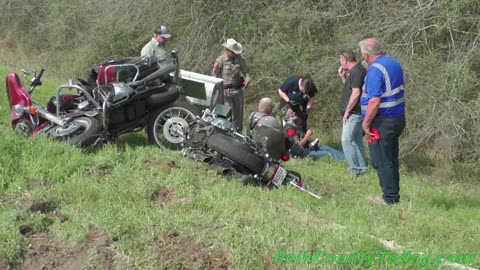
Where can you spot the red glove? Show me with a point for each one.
(374, 135)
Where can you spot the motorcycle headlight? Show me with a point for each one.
(18, 110)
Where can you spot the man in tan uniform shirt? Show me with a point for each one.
(232, 68)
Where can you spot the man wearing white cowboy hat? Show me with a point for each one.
(232, 68)
(156, 47)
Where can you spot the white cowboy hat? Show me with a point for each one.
(233, 46)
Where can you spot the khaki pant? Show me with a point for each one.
(234, 99)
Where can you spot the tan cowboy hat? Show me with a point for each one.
(233, 46)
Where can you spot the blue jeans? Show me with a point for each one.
(384, 156)
(352, 143)
(327, 151)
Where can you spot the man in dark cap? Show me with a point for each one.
(156, 47)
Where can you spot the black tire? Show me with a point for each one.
(81, 131)
(168, 125)
(235, 142)
(225, 147)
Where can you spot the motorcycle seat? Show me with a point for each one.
(159, 74)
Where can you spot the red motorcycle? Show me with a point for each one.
(30, 119)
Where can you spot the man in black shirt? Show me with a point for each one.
(352, 75)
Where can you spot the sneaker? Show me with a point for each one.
(356, 175)
(357, 172)
(380, 200)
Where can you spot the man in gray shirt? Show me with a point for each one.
(263, 117)
(156, 47)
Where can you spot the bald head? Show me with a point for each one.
(370, 46)
(265, 105)
(370, 49)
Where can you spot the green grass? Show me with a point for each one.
(111, 190)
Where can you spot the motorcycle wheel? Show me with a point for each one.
(81, 131)
(167, 126)
(245, 158)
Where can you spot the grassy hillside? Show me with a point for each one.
(132, 206)
(436, 42)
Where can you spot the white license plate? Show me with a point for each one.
(279, 176)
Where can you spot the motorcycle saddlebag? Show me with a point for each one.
(272, 141)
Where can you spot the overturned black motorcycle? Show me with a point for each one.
(130, 95)
(255, 160)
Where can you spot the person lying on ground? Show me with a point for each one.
(302, 144)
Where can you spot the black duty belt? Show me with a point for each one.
(227, 86)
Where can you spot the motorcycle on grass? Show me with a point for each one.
(137, 93)
(255, 160)
(30, 119)
(126, 96)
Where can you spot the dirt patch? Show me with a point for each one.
(105, 170)
(36, 183)
(268, 263)
(181, 252)
(7, 199)
(166, 165)
(326, 190)
(45, 252)
(102, 171)
(40, 215)
(4, 266)
(98, 239)
(60, 216)
(163, 195)
(42, 207)
(10, 44)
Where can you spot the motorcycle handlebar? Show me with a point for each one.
(40, 74)
(37, 81)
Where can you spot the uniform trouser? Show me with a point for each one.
(234, 99)
(384, 155)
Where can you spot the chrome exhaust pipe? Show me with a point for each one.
(49, 116)
(224, 170)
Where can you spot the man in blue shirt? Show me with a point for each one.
(297, 93)
(383, 111)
